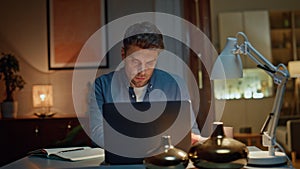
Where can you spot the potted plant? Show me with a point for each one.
(9, 68)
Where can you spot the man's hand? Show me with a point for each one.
(198, 139)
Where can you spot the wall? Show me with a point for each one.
(241, 113)
(23, 31)
(218, 6)
(247, 113)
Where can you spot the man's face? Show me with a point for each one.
(139, 64)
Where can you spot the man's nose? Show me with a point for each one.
(142, 67)
(142, 71)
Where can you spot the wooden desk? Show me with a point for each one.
(31, 162)
(249, 137)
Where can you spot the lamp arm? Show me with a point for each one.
(269, 136)
(280, 76)
(278, 73)
(259, 59)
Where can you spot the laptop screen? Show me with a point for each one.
(133, 131)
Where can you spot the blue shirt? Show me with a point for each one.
(115, 87)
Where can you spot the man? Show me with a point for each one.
(138, 80)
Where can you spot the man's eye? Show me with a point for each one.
(151, 63)
(136, 62)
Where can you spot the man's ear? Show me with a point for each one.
(123, 53)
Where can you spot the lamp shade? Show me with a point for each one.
(294, 68)
(228, 65)
(42, 95)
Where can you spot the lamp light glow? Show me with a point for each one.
(42, 96)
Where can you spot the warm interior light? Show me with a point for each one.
(42, 96)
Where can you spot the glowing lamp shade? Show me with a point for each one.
(42, 96)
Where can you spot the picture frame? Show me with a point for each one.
(70, 24)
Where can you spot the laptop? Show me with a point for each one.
(133, 131)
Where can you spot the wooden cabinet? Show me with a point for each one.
(19, 136)
(285, 36)
(296, 17)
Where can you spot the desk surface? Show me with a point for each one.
(32, 162)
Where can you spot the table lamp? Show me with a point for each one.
(43, 98)
(229, 65)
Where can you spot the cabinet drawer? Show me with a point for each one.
(23, 135)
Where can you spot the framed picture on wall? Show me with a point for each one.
(70, 24)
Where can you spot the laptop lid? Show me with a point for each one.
(133, 131)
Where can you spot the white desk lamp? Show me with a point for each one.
(230, 61)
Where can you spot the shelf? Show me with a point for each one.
(285, 39)
(279, 30)
(297, 34)
(281, 38)
(280, 19)
(285, 35)
(281, 55)
(297, 19)
(281, 51)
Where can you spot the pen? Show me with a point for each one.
(76, 149)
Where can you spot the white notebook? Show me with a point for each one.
(70, 153)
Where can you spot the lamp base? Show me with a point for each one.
(262, 158)
(45, 115)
